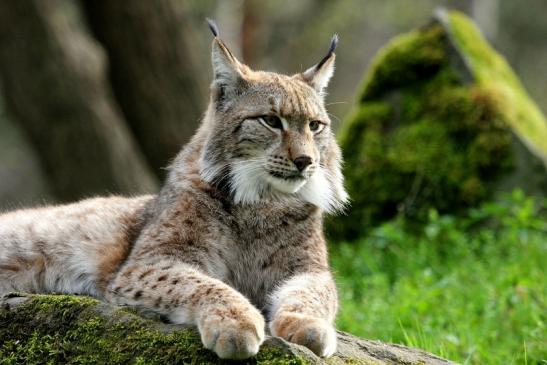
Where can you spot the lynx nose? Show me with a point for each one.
(302, 162)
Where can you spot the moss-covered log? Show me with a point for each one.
(54, 329)
(441, 122)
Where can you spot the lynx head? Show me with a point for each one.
(269, 135)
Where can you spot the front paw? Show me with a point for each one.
(233, 333)
(314, 333)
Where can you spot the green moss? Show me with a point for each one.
(427, 133)
(492, 72)
(406, 59)
(66, 329)
(273, 355)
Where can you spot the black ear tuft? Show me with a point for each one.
(333, 43)
(213, 26)
(332, 47)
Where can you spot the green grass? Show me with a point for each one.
(472, 289)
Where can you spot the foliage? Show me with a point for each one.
(433, 127)
(471, 289)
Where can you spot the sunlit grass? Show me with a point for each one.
(472, 289)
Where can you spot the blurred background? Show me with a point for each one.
(143, 71)
(97, 96)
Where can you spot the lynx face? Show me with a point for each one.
(270, 136)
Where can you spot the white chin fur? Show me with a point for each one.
(318, 192)
(285, 186)
(247, 182)
(250, 183)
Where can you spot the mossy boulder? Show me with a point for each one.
(59, 329)
(440, 122)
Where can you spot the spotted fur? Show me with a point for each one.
(233, 238)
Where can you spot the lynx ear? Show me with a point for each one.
(226, 68)
(318, 76)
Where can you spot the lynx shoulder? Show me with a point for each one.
(232, 243)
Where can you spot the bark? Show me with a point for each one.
(158, 76)
(282, 37)
(67, 329)
(53, 80)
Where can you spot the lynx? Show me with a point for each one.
(232, 242)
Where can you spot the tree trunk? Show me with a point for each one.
(158, 76)
(62, 329)
(53, 79)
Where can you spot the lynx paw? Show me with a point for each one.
(233, 336)
(314, 333)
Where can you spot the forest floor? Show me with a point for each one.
(469, 288)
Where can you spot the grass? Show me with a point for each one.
(472, 289)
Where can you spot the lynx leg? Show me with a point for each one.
(227, 322)
(303, 310)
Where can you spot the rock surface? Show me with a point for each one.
(37, 329)
(441, 122)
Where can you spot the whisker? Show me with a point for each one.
(336, 102)
(334, 116)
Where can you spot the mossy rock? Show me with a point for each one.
(441, 122)
(60, 329)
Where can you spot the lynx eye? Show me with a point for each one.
(316, 126)
(271, 121)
